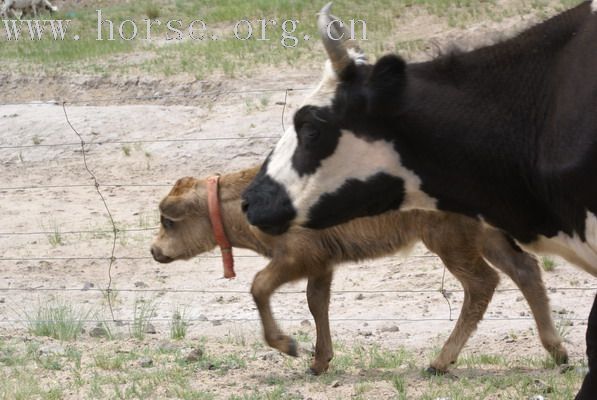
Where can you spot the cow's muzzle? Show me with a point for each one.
(267, 206)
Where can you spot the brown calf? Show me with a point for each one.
(462, 244)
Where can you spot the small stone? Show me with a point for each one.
(87, 286)
(335, 384)
(271, 356)
(216, 322)
(167, 347)
(194, 355)
(360, 296)
(98, 331)
(537, 397)
(53, 349)
(2, 300)
(393, 328)
(150, 329)
(202, 317)
(140, 284)
(146, 362)
(542, 386)
(305, 323)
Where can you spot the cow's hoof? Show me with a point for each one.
(432, 371)
(292, 348)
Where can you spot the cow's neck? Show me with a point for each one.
(235, 223)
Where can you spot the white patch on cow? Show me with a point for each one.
(594, 5)
(353, 158)
(572, 248)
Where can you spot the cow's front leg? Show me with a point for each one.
(265, 283)
(318, 297)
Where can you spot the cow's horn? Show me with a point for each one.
(336, 49)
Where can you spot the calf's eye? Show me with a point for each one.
(167, 223)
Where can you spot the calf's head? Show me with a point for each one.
(335, 162)
(185, 229)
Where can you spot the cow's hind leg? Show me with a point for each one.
(523, 269)
(318, 297)
(265, 283)
(479, 281)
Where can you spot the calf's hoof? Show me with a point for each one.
(560, 355)
(433, 371)
(318, 368)
(291, 348)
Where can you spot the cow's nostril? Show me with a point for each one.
(244, 206)
(152, 251)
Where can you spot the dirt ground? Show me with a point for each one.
(136, 151)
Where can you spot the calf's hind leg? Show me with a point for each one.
(318, 297)
(523, 269)
(479, 281)
(265, 283)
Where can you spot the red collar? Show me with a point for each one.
(215, 217)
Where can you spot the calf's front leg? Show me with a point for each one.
(264, 284)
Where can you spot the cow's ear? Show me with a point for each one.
(177, 207)
(386, 84)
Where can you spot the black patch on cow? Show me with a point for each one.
(267, 205)
(356, 198)
(317, 137)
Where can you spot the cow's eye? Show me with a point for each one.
(309, 133)
(167, 223)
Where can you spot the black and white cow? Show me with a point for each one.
(505, 133)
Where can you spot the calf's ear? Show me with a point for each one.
(177, 207)
(386, 84)
(181, 199)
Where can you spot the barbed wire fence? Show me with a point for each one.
(115, 230)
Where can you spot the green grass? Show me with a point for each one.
(231, 371)
(142, 315)
(178, 325)
(548, 264)
(228, 55)
(54, 235)
(59, 320)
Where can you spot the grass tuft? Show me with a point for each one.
(142, 315)
(178, 325)
(60, 321)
